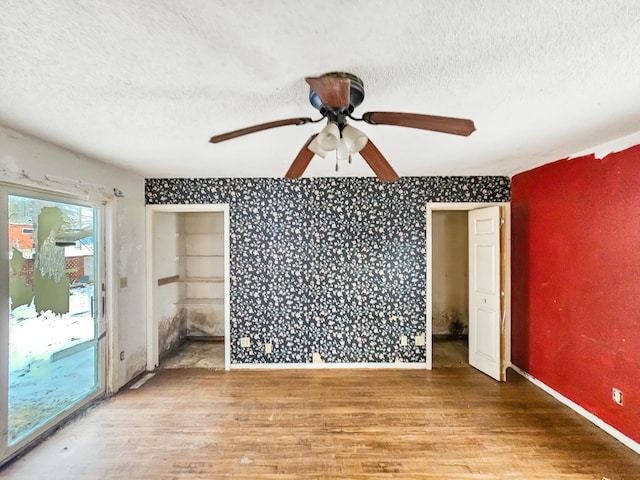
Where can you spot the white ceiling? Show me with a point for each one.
(144, 84)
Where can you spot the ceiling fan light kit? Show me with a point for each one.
(346, 142)
(329, 136)
(317, 149)
(335, 95)
(354, 138)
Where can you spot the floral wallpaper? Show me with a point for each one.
(331, 266)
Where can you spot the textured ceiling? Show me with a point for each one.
(144, 84)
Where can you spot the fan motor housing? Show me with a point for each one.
(356, 95)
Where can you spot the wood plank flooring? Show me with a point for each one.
(334, 424)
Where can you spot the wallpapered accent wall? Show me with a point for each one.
(334, 266)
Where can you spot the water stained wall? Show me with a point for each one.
(172, 331)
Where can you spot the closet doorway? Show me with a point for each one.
(481, 332)
(450, 289)
(188, 286)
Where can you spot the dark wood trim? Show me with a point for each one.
(167, 280)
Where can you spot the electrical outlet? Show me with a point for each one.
(317, 358)
(419, 340)
(267, 348)
(123, 282)
(616, 395)
(245, 342)
(403, 340)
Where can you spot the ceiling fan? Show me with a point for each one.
(336, 95)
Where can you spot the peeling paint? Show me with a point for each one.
(136, 363)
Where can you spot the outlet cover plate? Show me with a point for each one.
(616, 395)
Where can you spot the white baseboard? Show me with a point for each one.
(621, 437)
(290, 366)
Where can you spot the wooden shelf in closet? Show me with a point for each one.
(204, 234)
(200, 302)
(202, 280)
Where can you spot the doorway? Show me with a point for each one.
(188, 286)
(450, 289)
(54, 363)
(453, 277)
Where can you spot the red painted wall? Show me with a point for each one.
(576, 281)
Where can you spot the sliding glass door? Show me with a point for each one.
(53, 361)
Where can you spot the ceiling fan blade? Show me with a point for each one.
(301, 162)
(456, 126)
(257, 128)
(333, 91)
(383, 170)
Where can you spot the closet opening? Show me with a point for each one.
(188, 281)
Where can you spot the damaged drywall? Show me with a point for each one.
(205, 323)
(171, 332)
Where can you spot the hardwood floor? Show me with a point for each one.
(450, 353)
(335, 424)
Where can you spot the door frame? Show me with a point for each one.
(152, 324)
(103, 321)
(506, 271)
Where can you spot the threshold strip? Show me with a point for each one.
(142, 381)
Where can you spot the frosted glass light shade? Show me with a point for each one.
(354, 138)
(317, 149)
(343, 152)
(329, 137)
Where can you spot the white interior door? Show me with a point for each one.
(484, 291)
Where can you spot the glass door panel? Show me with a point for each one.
(53, 348)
